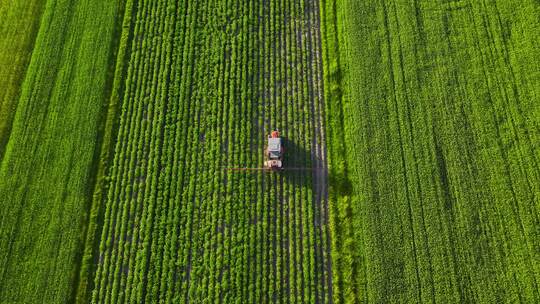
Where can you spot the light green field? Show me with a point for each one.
(19, 21)
(47, 168)
(434, 124)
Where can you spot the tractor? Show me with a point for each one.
(274, 152)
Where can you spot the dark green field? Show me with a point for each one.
(412, 148)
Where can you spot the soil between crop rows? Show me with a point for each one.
(201, 94)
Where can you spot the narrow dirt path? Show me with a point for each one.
(319, 158)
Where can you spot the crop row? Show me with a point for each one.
(206, 81)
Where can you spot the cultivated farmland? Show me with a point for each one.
(53, 116)
(18, 29)
(203, 84)
(133, 132)
(434, 123)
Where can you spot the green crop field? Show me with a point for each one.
(18, 29)
(201, 85)
(53, 114)
(133, 136)
(434, 120)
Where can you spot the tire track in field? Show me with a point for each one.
(306, 88)
(318, 158)
(321, 163)
(400, 132)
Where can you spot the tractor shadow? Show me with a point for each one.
(339, 183)
(300, 162)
